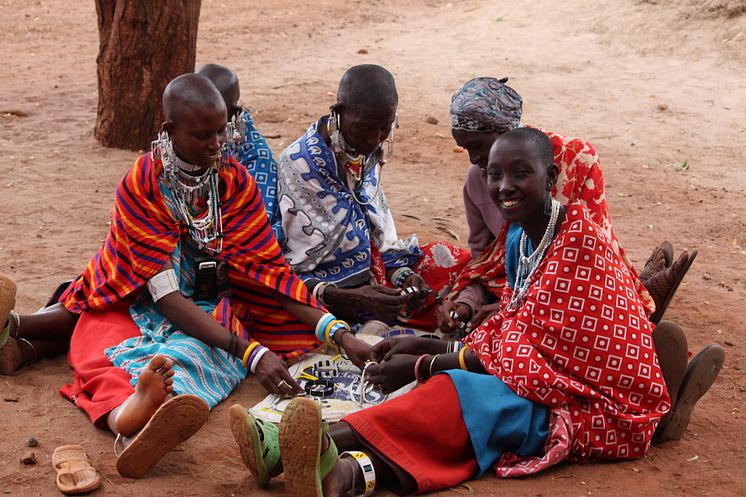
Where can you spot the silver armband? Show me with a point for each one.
(162, 284)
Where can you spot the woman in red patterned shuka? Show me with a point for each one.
(481, 110)
(566, 370)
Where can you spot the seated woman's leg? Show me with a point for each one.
(98, 387)
(35, 336)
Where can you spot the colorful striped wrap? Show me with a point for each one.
(144, 232)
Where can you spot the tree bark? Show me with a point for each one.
(143, 44)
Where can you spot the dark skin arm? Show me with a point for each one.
(356, 349)
(399, 370)
(369, 301)
(181, 311)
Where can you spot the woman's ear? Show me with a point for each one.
(167, 126)
(552, 175)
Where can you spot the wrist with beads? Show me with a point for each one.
(256, 356)
(462, 358)
(322, 324)
(247, 353)
(399, 276)
(417, 365)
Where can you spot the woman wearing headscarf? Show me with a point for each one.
(481, 110)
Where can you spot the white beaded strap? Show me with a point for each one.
(162, 284)
(369, 473)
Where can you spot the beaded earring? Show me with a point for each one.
(235, 134)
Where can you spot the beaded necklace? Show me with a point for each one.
(206, 229)
(527, 265)
(355, 165)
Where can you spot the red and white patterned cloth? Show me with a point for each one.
(581, 344)
(580, 180)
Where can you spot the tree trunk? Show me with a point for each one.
(143, 44)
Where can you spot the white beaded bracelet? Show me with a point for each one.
(257, 358)
(162, 284)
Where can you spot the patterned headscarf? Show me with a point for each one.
(486, 104)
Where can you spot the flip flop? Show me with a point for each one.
(301, 432)
(75, 473)
(701, 373)
(257, 443)
(677, 279)
(7, 303)
(175, 421)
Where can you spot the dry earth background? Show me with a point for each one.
(652, 84)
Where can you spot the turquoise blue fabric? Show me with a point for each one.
(497, 419)
(513, 253)
(208, 372)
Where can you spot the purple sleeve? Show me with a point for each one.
(480, 235)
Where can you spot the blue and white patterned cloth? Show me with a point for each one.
(328, 229)
(208, 372)
(254, 153)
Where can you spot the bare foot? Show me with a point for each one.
(11, 357)
(154, 385)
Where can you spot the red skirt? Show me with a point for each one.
(434, 450)
(98, 386)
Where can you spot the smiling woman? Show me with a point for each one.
(566, 370)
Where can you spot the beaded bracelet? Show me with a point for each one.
(400, 276)
(432, 361)
(322, 324)
(250, 362)
(258, 357)
(462, 358)
(248, 352)
(417, 364)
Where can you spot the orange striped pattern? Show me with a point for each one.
(144, 233)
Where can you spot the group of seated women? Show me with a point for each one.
(222, 262)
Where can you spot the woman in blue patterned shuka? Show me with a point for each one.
(251, 149)
(339, 234)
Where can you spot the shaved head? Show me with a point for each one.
(537, 139)
(188, 92)
(225, 80)
(367, 85)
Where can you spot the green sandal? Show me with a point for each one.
(257, 442)
(301, 433)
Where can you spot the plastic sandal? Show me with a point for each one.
(677, 278)
(701, 373)
(75, 473)
(175, 421)
(258, 444)
(301, 432)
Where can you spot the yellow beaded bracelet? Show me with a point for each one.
(248, 351)
(462, 358)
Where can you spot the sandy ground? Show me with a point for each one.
(657, 87)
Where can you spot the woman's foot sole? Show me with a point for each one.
(174, 422)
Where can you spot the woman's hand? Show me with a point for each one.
(357, 350)
(418, 298)
(449, 324)
(273, 374)
(390, 347)
(485, 312)
(393, 374)
(366, 302)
